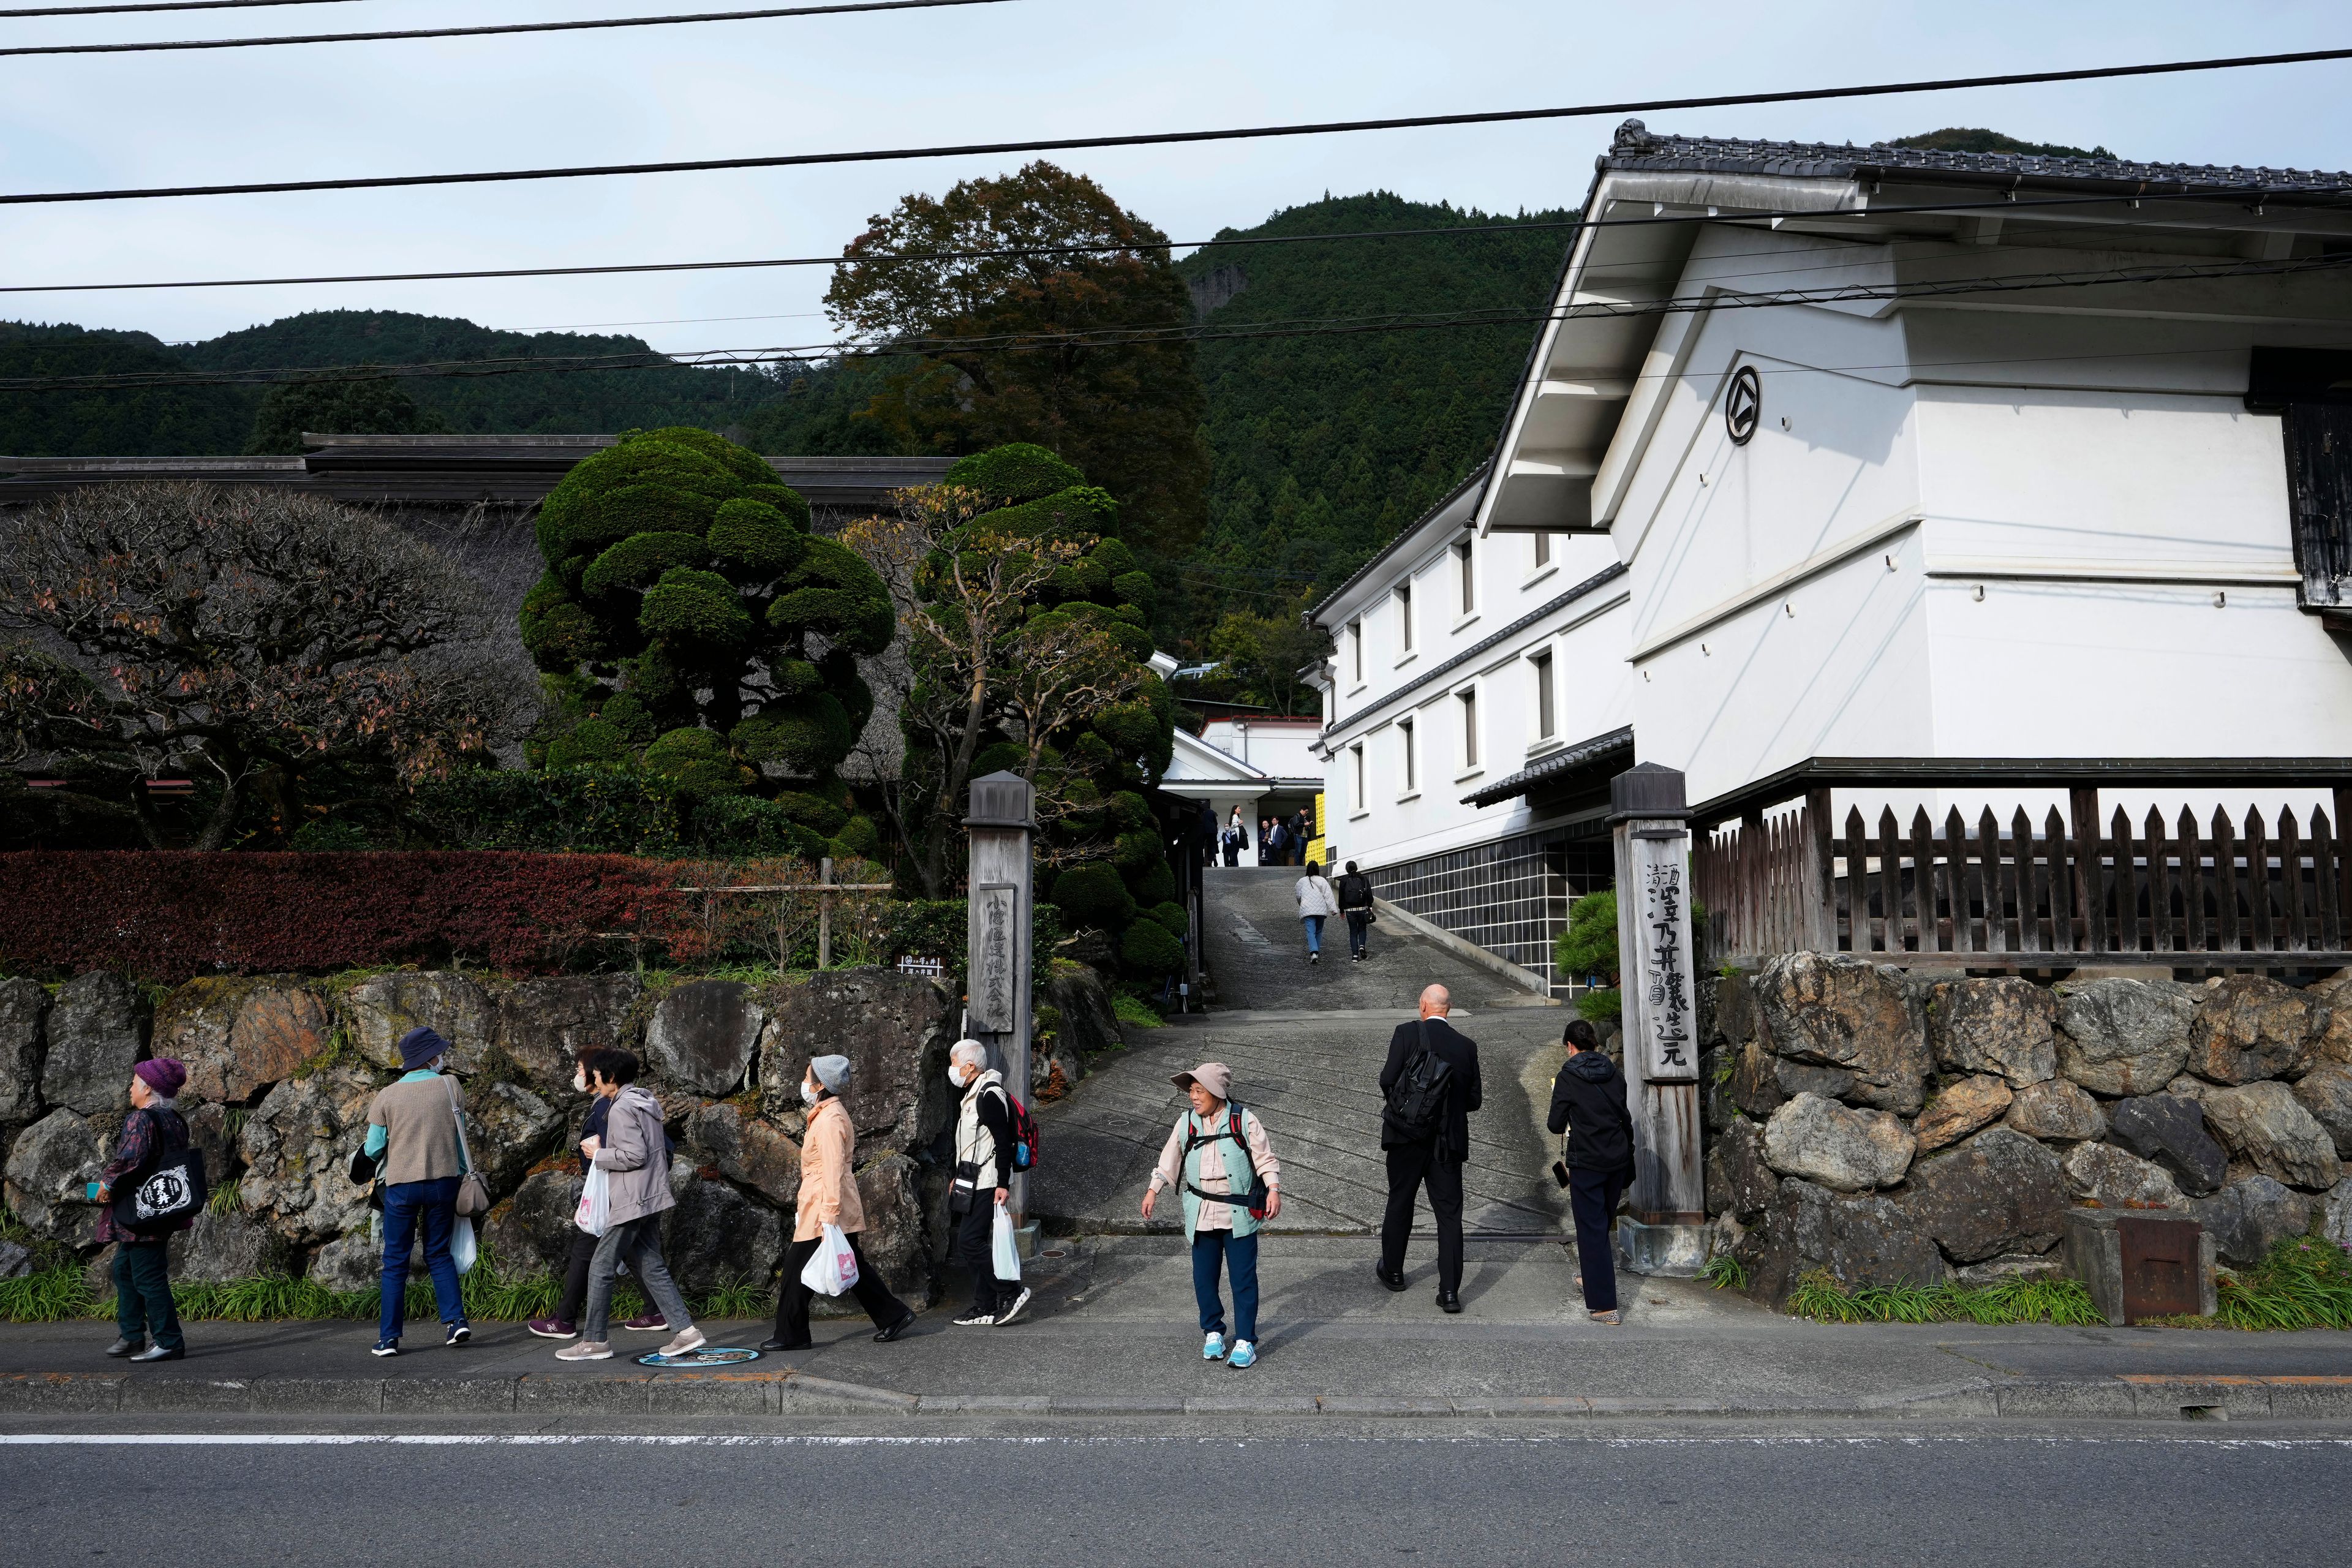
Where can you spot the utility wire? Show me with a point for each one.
(1169, 138)
(1121, 337)
(599, 23)
(2249, 192)
(163, 5)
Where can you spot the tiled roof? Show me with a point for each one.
(1558, 764)
(1636, 148)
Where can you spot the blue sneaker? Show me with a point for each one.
(1244, 1354)
(1213, 1348)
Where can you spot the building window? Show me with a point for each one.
(1356, 759)
(1469, 578)
(1404, 618)
(1404, 737)
(1544, 707)
(1469, 700)
(1356, 651)
(1543, 552)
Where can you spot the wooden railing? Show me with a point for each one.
(2160, 890)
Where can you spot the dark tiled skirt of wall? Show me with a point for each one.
(1510, 897)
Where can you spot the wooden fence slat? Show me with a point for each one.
(2260, 936)
(1857, 877)
(2230, 930)
(2329, 912)
(2193, 881)
(1922, 882)
(2061, 881)
(1988, 879)
(1952, 912)
(2160, 886)
(1890, 880)
(2025, 868)
(2090, 885)
(2122, 918)
(2293, 937)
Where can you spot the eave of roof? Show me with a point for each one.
(1557, 767)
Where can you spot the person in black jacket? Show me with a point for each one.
(1355, 890)
(1588, 1103)
(1433, 1155)
(564, 1324)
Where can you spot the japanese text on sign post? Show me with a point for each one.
(1668, 1014)
(991, 978)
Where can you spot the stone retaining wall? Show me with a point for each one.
(1890, 1127)
(282, 1071)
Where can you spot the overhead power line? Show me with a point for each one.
(1120, 337)
(590, 25)
(163, 5)
(2249, 192)
(1170, 138)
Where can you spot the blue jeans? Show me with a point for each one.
(407, 1205)
(1314, 924)
(1239, 1255)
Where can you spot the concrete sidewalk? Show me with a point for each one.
(1111, 1333)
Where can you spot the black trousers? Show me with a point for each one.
(975, 1248)
(793, 1301)
(1410, 1168)
(1360, 925)
(575, 1275)
(1592, 1197)
(143, 1308)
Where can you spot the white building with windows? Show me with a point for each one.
(1872, 477)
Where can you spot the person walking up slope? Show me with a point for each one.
(1431, 1082)
(634, 1157)
(1355, 890)
(1218, 1153)
(1588, 1103)
(829, 1197)
(1316, 903)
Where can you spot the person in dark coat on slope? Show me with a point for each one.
(1433, 1157)
(1588, 1103)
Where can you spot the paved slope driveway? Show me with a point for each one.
(1311, 1070)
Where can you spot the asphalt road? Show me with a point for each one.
(1000, 1501)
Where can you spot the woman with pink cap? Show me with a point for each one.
(1218, 1158)
(145, 1317)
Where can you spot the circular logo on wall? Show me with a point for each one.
(1745, 406)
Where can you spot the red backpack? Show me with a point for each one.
(1025, 1134)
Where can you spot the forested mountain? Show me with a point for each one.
(1327, 443)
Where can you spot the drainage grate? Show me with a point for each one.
(2203, 1412)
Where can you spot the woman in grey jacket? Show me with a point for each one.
(633, 1155)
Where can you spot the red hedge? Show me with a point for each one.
(166, 916)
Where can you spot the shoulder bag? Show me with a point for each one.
(473, 1192)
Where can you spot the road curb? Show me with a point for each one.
(789, 1393)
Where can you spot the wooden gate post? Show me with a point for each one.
(1003, 827)
(1665, 1231)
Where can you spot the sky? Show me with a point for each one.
(990, 72)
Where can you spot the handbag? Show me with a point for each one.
(170, 1194)
(473, 1192)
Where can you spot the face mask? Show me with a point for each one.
(580, 1083)
(955, 1076)
(808, 1092)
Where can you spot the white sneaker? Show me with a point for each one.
(1007, 1314)
(976, 1321)
(585, 1350)
(1213, 1348)
(688, 1340)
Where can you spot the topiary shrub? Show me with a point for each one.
(1148, 949)
(1157, 885)
(1094, 895)
(1171, 915)
(683, 581)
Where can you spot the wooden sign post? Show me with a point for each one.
(1002, 828)
(1665, 1230)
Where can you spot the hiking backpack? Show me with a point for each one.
(1416, 1106)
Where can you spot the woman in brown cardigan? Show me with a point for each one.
(829, 1197)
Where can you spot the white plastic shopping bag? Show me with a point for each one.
(1007, 1260)
(833, 1268)
(595, 1214)
(462, 1250)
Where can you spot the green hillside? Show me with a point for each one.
(1327, 444)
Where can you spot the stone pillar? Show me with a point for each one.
(1665, 1230)
(1002, 825)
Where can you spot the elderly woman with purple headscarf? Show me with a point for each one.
(147, 1321)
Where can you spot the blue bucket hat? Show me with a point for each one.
(420, 1046)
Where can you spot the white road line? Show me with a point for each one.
(757, 1440)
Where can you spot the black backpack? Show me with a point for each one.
(1416, 1106)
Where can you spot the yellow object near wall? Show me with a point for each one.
(1316, 846)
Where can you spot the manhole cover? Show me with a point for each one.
(708, 1355)
(1056, 1252)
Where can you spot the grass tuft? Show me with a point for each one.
(1134, 1012)
(1725, 1272)
(2046, 1300)
(2305, 1283)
